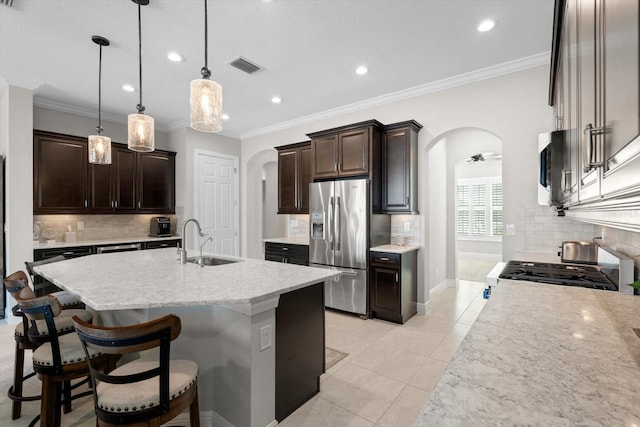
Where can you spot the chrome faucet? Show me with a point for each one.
(208, 239)
(183, 250)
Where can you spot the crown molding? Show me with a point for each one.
(437, 86)
(84, 112)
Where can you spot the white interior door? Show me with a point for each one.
(216, 201)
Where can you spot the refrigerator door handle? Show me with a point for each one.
(331, 235)
(338, 224)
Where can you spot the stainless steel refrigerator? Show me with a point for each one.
(3, 301)
(342, 229)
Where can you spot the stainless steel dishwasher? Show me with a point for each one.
(118, 248)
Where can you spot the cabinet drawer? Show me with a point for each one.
(286, 252)
(385, 259)
(162, 244)
(69, 252)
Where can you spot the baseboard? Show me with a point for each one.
(424, 308)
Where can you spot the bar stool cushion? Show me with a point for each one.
(64, 322)
(66, 298)
(125, 398)
(70, 351)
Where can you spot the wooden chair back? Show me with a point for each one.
(132, 339)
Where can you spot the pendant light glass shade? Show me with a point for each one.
(206, 95)
(99, 145)
(206, 105)
(140, 134)
(99, 149)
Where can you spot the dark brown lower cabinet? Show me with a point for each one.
(300, 342)
(287, 253)
(393, 285)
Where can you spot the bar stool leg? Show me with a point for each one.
(18, 379)
(66, 390)
(51, 400)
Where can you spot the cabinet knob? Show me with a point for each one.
(396, 277)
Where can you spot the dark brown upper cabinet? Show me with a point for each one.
(59, 173)
(294, 176)
(156, 182)
(400, 167)
(64, 182)
(347, 151)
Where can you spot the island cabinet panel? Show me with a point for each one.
(400, 168)
(156, 182)
(59, 174)
(294, 176)
(393, 285)
(287, 253)
(347, 151)
(300, 348)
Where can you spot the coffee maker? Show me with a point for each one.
(160, 226)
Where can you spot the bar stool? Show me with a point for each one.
(144, 391)
(58, 359)
(67, 299)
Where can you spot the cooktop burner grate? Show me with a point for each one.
(558, 274)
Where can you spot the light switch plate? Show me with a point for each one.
(511, 230)
(407, 226)
(265, 337)
(80, 225)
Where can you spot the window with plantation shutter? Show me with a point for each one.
(479, 208)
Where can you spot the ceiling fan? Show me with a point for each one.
(481, 157)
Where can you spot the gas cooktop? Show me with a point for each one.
(558, 274)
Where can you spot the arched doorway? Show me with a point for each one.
(443, 155)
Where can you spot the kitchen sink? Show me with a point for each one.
(209, 260)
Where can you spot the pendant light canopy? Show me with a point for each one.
(140, 126)
(100, 145)
(206, 95)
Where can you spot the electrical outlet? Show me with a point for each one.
(265, 337)
(407, 226)
(511, 230)
(80, 225)
(293, 222)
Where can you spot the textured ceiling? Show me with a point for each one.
(308, 49)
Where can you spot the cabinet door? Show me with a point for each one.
(325, 157)
(156, 182)
(354, 152)
(621, 96)
(385, 293)
(100, 184)
(589, 179)
(123, 179)
(288, 170)
(59, 174)
(569, 61)
(396, 185)
(304, 177)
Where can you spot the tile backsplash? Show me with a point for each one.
(623, 241)
(540, 230)
(405, 230)
(298, 226)
(96, 227)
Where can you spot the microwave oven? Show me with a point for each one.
(551, 165)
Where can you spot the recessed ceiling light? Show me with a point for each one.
(362, 70)
(128, 88)
(276, 100)
(487, 25)
(225, 117)
(174, 56)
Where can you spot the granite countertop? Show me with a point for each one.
(147, 279)
(289, 240)
(41, 245)
(396, 249)
(544, 355)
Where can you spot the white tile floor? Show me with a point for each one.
(384, 381)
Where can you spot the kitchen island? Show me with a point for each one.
(544, 355)
(231, 316)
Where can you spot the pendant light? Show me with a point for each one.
(100, 145)
(206, 95)
(140, 129)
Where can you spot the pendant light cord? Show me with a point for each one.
(99, 128)
(140, 106)
(205, 71)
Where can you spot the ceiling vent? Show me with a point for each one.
(6, 2)
(245, 65)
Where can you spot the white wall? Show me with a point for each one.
(273, 225)
(436, 238)
(16, 143)
(513, 107)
